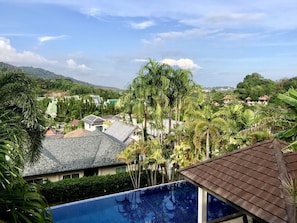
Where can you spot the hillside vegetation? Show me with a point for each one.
(51, 84)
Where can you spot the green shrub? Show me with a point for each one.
(69, 190)
(75, 189)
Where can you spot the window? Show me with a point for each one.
(90, 172)
(69, 176)
(36, 181)
(121, 169)
(99, 127)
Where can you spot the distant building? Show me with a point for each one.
(74, 122)
(261, 100)
(264, 99)
(124, 132)
(110, 101)
(52, 109)
(96, 99)
(228, 99)
(50, 132)
(93, 122)
(151, 130)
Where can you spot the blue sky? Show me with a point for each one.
(105, 42)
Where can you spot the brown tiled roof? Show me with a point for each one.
(249, 179)
(76, 133)
(52, 133)
(74, 122)
(228, 97)
(264, 98)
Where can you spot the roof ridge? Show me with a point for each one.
(279, 159)
(49, 155)
(110, 137)
(98, 148)
(283, 173)
(229, 154)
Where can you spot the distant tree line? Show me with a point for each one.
(73, 88)
(255, 85)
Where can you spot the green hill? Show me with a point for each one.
(47, 75)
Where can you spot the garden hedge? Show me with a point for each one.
(69, 190)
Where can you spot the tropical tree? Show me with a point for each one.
(17, 97)
(290, 132)
(156, 94)
(133, 156)
(181, 85)
(255, 85)
(153, 160)
(20, 141)
(126, 103)
(183, 155)
(208, 128)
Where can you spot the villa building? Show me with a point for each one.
(93, 122)
(72, 157)
(252, 180)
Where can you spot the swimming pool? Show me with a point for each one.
(169, 203)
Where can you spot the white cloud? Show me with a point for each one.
(189, 33)
(142, 25)
(225, 19)
(9, 54)
(238, 36)
(183, 63)
(73, 65)
(93, 12)
(43, 39)
(186, 34)
(234, 17)
(140, 60)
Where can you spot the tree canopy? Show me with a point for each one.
(20, 141)
(255, 86)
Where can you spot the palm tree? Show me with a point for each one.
(134, 156)
(126, 103)
(154, 159)
(17, 97)
(146, 94)
(182, 86)
(20, 140)
(290, 132)
(208, 128)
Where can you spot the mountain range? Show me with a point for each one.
(45, 74)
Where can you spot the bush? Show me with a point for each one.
(69, 190)
(75, 189)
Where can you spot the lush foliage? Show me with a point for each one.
(75, 88)
(255, 86)
(48, 82)
(205, 124)
(69, 190)
(290, 118)
(20, 141)
(154, 96)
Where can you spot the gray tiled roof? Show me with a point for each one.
(93, 150)
(93, 120)
(120, 130)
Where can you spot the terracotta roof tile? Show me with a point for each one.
(249, 178)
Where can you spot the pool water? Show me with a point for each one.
(169, 203)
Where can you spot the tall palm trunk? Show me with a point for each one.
(207, 146)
